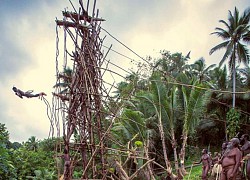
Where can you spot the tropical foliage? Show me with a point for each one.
(235, 36)
(29, 160)
(167, 109)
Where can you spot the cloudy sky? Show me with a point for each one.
(28, 45)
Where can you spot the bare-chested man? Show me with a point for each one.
(231, 160)
(205, 160)
(27, 94)
(245, 149)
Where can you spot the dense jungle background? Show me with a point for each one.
(171, 110)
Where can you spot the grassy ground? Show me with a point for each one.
(195, 173)
(194, 156)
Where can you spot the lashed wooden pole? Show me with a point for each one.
(84, 97)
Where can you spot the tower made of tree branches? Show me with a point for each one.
(79, 91)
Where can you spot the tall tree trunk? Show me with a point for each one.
(174, 145)
(168, 165)
(234, 76)
(183, 152)
(234, 84)
(147, 156)
(163, 142)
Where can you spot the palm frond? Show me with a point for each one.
(61, 84)
(219, 46)
(210, 67)
(195, 103)
(231, 21)
(236, 17)
(243, 54)
(119, 130)
(241, 29)
(221, 33)
(225, 23)
(246, 16)
(246, 37)
(227, 53)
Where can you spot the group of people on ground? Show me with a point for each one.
(233, 161)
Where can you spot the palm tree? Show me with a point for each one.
(163, 106)
(172, 64)
(129, 129)
(194, 101)
(219, 78)
(32, 143)
(245, 98)
(234, 36)
(128, 125)
(63, 85)
(132, 84)
(201, 71)
(219, 82)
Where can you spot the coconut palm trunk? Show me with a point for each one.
(234, 78)
(194, 104)
(162, 135)
(174, 145)
(183, 152)
(163, 100)
(235, 38)
(149, 168)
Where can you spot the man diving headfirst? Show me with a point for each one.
(27, 94)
